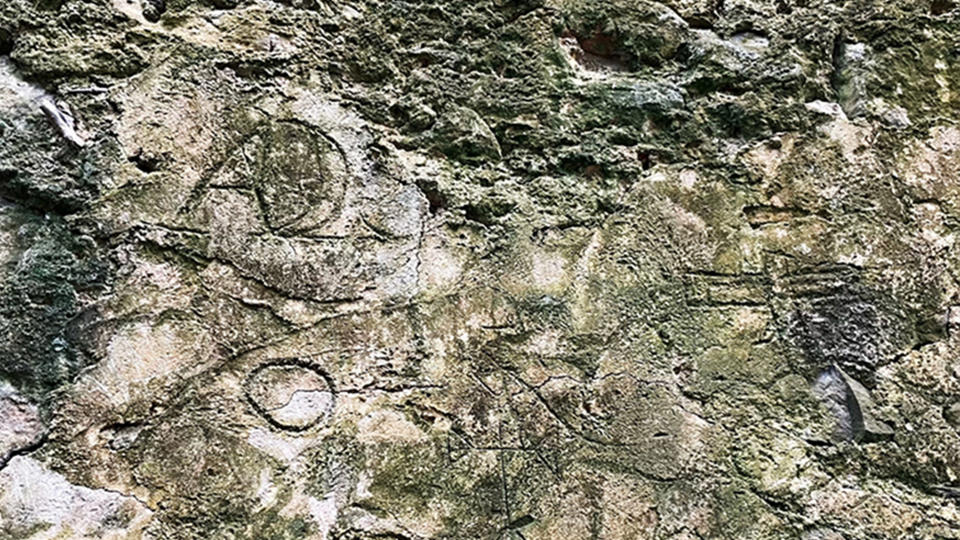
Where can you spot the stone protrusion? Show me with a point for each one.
(851, 405)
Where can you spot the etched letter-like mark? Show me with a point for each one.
(290, 394)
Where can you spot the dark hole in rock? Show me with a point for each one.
(521, 522)
(576, 163)
(950, 492)
(6, 41)
(600, 44)
(435, 199)
(700, 22)
(49, 5)
(621, 138)
(153, 9)
(121, 436)
(146, 161)
(646, 159)
(599, 50)
(939, 7)
(951, 414)
(303, 4)
(487, 212)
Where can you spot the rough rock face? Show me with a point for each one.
(528, 269)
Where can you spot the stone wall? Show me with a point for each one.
(486, 269)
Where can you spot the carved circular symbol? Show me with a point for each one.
(299, 176)
(290, 395)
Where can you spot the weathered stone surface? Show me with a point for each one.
(20, 424)
(676, 269)
(38, 503)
